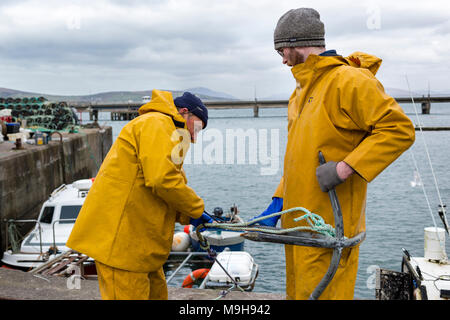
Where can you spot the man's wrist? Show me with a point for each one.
(344, 170)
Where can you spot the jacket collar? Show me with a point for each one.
(315, 65)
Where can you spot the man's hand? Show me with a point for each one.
(204, 218)
(332, 174)
(275, 206)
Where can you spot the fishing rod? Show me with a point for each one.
(442, 212)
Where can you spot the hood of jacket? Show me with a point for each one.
(162, 101)
(364, 60)
(316, 65)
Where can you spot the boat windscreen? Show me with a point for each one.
(69, 212)
(47, 215)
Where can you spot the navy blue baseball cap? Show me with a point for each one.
(194, 105)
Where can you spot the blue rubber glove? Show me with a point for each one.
(204, 218)
(275, 206)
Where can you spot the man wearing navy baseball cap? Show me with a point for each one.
(194, 112)
(139, 193)
(194, 106)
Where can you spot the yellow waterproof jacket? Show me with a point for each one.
(341, 109)
(128, 218)
(358, 60)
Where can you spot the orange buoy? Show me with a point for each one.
(187, 228)
(194, 276)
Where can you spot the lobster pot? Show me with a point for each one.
(434, 243)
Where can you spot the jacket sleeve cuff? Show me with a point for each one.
(182, 219)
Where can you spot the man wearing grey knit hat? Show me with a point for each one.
(299, 32)
(340, 109)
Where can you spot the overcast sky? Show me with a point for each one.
(83, 47)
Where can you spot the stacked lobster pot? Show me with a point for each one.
(39, 112)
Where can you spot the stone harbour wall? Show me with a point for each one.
(28, 176)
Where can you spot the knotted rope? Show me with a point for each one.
(316, 223)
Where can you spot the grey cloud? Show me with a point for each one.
(123, 45)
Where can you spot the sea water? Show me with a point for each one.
(397, 209)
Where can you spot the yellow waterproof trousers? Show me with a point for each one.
(301, 280)
(117, 284)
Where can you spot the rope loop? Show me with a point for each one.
(316, 223)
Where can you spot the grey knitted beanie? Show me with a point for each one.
(299, 28)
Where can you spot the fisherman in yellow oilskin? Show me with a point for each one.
(340, 109)
(127, 221)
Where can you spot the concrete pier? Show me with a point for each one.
(123, 115)
(19, 285)
(426, 107)
(256, 111)
(241, 104)
(28, 176)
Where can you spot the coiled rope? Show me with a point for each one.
(316, 223)
(14, 237)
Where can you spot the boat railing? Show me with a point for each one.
(7, 223)
(53, 229)
(58, 190)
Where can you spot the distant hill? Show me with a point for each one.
(116, 96)
(279, 96)
(203, 93)
(397, 93)
(394, 92)
(401, 93)
(211, 93)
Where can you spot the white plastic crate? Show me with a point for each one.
(239, 264)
